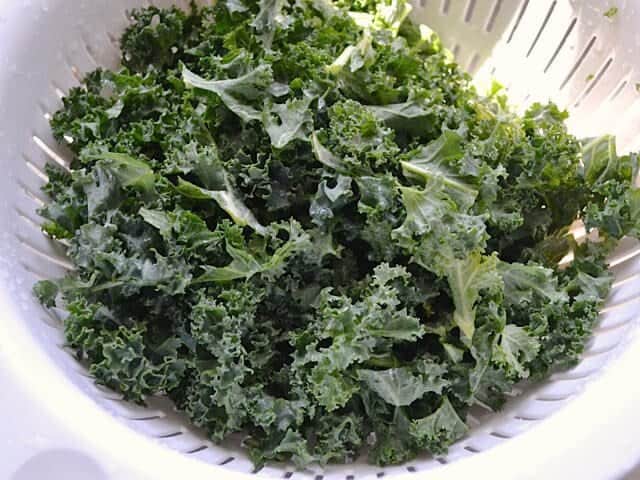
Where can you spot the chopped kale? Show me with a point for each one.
(306, 225)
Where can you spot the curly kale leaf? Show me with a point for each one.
(615, 202)
(436, 163)
(467, 279)
(245, 265)
(442, 427)
(356, 330)
(238, 94)
(400, 386)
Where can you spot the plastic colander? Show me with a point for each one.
(56, 424)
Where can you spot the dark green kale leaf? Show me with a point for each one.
(612, 206)
(236, 93)
(401, 387)
(442, 427)
(356, 331)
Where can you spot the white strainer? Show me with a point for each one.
(55, 423)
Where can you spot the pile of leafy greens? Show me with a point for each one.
(304, 224)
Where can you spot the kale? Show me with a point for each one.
(305, 224)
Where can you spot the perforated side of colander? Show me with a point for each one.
(542, 49)
(565, 50)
